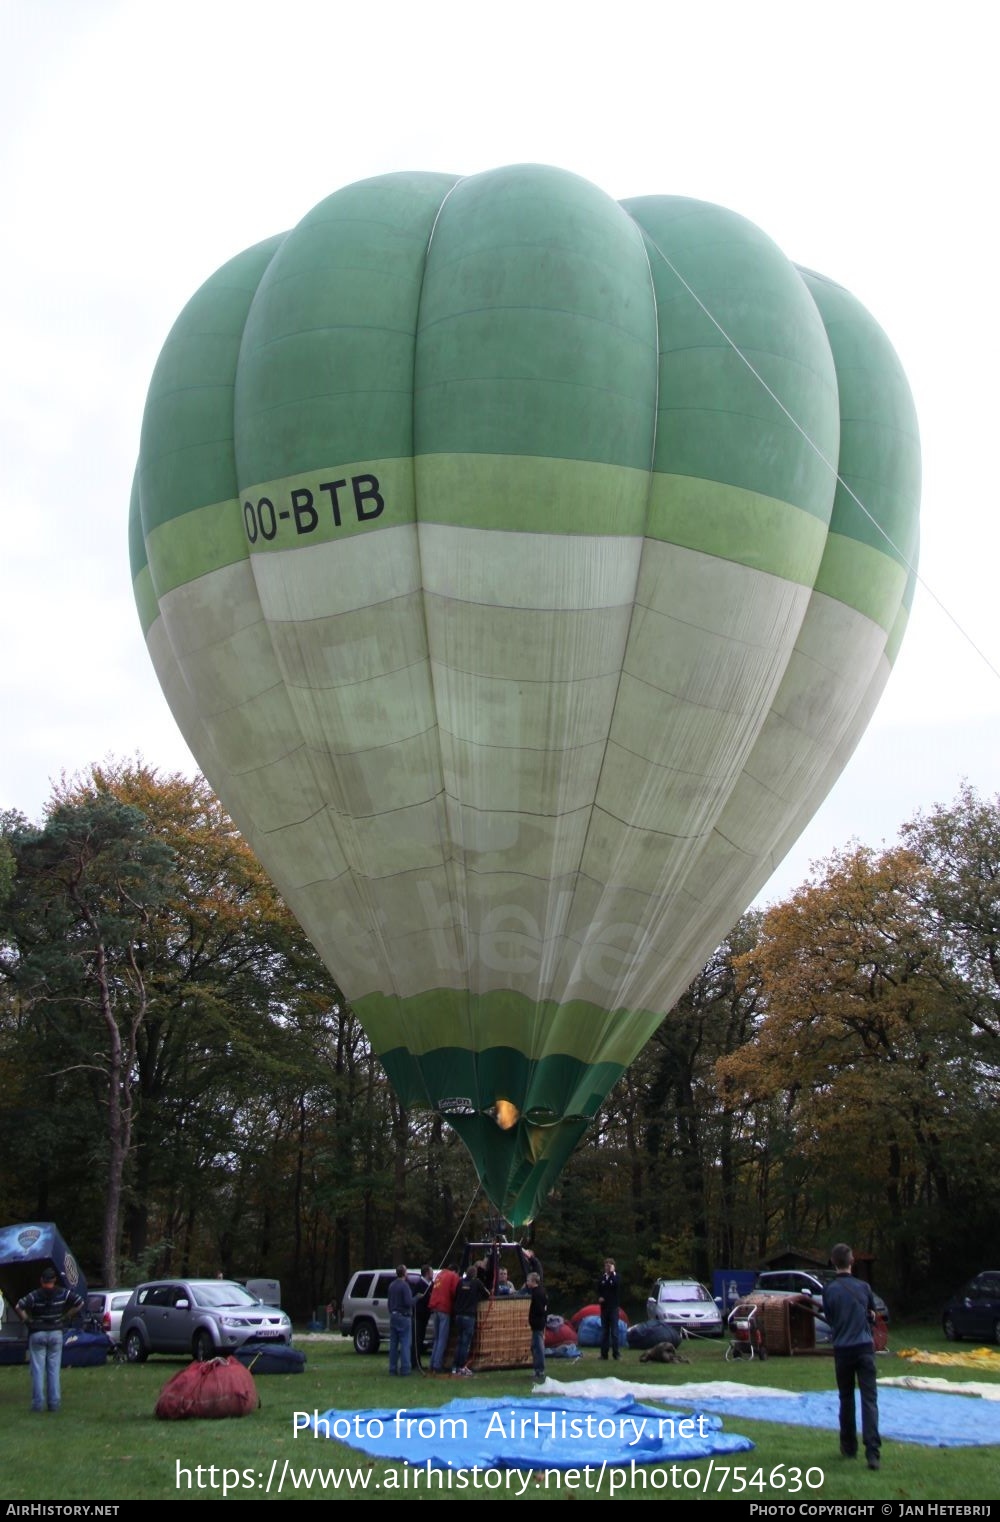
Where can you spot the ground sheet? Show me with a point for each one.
(528, 1433)
(932, 1418)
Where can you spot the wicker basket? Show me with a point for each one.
(787, 1325)
(503, 1337)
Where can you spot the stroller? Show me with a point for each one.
(747, 1336)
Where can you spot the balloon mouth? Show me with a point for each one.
(506, 1114)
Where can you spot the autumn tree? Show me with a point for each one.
(180, 1063)
(960, 892)
(75, 928)
(868, 1059)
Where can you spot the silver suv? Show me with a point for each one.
(203, 1317)
(364, 1310)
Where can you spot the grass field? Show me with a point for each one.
(106, 1445)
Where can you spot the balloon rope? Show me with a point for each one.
(828, 463)
(451, 1245)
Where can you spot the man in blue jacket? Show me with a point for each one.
(400, 1300)
(849, 1308)
(46, 1311)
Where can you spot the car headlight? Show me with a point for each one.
(235, 1321)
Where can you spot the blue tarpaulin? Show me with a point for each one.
(908, 1416)
(528, 1433)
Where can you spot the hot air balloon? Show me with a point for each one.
(521, 568)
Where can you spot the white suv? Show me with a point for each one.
(364, 1310)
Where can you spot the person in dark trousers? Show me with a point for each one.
(46, 1311)
(608, 1298)
(442, 1299)
(537, 1312)
(470, 1291)
(400, 1322)
(849, 1309)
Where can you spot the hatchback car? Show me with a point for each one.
(203, 1317)
(105, 1308)
(364, 1310)
(684, 1303)
(975, 1310)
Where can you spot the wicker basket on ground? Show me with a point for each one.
(787, 1324)
(503, 1337)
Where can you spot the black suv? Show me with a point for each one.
(975, 1310)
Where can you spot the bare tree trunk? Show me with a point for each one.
(120, 1072)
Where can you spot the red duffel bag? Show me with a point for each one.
(218, 1387)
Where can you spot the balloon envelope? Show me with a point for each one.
(489, 544)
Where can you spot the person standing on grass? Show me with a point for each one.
(45, 1311)
(537, 1312)
(470, 1291)
(400, 1322)
(608, 1297)
(442, 1298)
(849, 1308)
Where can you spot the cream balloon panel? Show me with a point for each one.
(484, 843)
(837, 759)
(670, 732)
(226, 673)
(526, 644)
(837, 651)
(503, 938)
(731, 675)
(341, 649)
(535, 715)
(762, 818)
(606, 849)
(366, 715)
(341, 576)
(704, 591)
(517, 570)
(556, 781)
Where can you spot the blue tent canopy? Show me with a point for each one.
(26, 1250)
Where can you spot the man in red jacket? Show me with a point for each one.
(442, 1298)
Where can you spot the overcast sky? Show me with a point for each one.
(144, 143)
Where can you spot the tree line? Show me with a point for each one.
(185, 1089)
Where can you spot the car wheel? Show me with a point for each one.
(135, 1348)
(949, 1330)
(366, 1338)
(203, 1347)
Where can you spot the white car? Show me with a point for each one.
(105, 1307)
(686, 1304)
